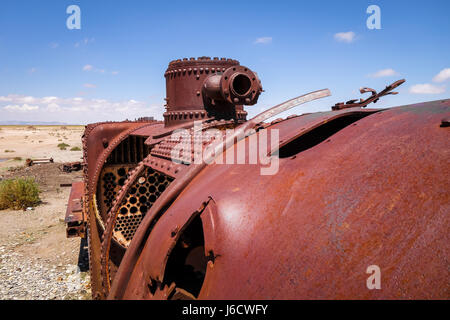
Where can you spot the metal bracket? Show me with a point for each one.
(373, 98)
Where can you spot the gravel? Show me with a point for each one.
(25, 279)
(37, 260)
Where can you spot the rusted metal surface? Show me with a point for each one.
(100, 140)
(355, 187)
(373, 98)
(71, 166)
(106, 145)
(189, 174)
(334, 210)
(64, 185)
(30, 162)
(204, 89)
(237, 85)
(295, 127)
(75, 219)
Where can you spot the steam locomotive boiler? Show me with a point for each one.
(353, 188)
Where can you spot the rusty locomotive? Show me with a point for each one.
(355, 187)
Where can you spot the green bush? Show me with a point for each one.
(19, 193)
(63, 146)
(75, 149)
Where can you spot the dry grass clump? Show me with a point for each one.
(19, 193)
(63, 146)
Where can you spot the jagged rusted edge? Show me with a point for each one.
(113, 212)
(86, 199)
(88, 129)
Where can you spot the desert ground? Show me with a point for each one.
(37, 261)
(39, 142)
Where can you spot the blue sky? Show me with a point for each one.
(112, 68)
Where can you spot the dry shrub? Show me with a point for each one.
(19, 193)
(63, 146)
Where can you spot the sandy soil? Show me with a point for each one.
(38, 142)
(38, 236)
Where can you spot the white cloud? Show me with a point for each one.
(18, 99)
(21, 108)
(85, 41)
(53, 107)
(5, 98)
(32, 70)
(73, 110)
(384, 73)
(90, 67)
(426, 88)
(345, 36)
(29, 99)
(48, 99)
(89, 85)
(54, 45)
(263, 40)
(442, 76)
